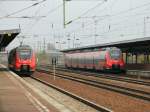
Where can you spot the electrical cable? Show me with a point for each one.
(54, 9)
(126, 11)
(31, 24)
(21, 10)
(88, 11)
(49, 12)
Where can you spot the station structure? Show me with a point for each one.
(6, 36)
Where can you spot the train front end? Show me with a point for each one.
(114, 60)
(25, 60)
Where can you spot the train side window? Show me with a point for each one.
(102, 55)
(91, 60)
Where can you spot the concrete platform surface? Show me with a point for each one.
(14, 97)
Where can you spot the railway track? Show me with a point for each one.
(80, 99)
(123, 90)
(105, 76)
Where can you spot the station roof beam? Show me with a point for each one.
(6, 36)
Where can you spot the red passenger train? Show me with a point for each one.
(22, 58)
(98, 59)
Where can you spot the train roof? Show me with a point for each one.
(6, 36)
(134, 45)
(24, 46)
(21, 47)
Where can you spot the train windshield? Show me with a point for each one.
(25, 54)
(115, 54)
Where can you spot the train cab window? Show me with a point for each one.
(115, 54)
(25, 54)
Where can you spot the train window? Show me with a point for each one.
(102, 55)
(115, 54)
(96, 49)
(25, 54)
(96, 61)
(87, 50)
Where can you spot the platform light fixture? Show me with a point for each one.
(9, 34)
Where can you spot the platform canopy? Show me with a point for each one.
(6, 36)
(139, 45)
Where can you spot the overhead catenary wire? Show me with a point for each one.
(16, 0)
(45, 15)
(95, 16)
(120, 13)
(117, 29)
(121, 28)
(31, 24)
(118, 34)
(125, 19)
(54, 9)
(113, 15)
(34, 17)
(89, 10)
(86, 0)
(130, 9)
(21, 10)
(25, 17)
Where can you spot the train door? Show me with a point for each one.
(82, 60)
(93, 67)
(102, 60)
(96, 61)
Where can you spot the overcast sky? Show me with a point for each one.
(93, 21)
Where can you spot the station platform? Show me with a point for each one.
(138, 70)
(14, 97)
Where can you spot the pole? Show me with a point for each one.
(95, 31)
(54, 71)
(54, 41)
(54, 67)
(44, 46)
(64, 13)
